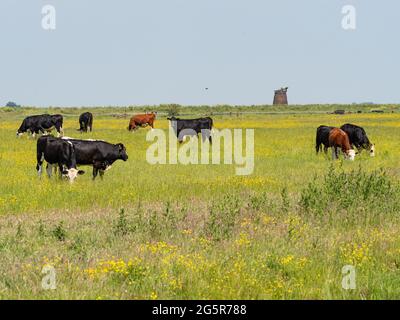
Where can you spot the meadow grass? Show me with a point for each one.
(201, 232)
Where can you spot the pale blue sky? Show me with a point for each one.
(131, 52)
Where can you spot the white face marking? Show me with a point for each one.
(351, 154)
(71, 174)
(372, 151)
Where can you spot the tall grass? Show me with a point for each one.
(172, 232)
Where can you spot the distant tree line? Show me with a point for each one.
(12, 104)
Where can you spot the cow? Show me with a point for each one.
(97, 153)
(339, 139)
(322, 137)
(142, 120)
(184, 127)
(358, 138)
(85, 122)
(59, 153)
(41, 123)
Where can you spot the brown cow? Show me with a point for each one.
(339, 139)
(142, 120)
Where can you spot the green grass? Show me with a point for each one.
(194, 232)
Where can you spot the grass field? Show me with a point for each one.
(201, 232)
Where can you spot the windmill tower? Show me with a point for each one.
(280, 97)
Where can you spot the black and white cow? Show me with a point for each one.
(97, 153)
(190, 127)
(59, 153)
(43, 123)
(86, 122)
(358, 138)
(322, 137)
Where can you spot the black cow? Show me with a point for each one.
(41, 123)
(97, 153)
(358, 138)
(190, 127)
(57, 152)
(86, 122)
(322, 137)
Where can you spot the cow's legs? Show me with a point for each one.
(334, 153)
(101, 172)
(206, 134)
(95, 172)
(60, 131)
(49, 169)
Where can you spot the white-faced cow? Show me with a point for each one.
(97, 153)
(57, 152)
(191, 127)
(86, 122)
(43, 123)
(338, 139)
(322, 138)
(358, 138)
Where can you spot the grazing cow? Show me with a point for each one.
(184, 127)
(41, 123)
(322, 138)
(86, 122)
(142, 120)
(358, 138)
(97, 153)
(339, 139)
(57, 152)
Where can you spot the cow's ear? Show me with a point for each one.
(81, 172)
(120, 146)
(64, 172)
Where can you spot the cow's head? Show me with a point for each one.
(71, 174)
(351, 154)
(372, 150)
(122, 152)
(19, 133)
